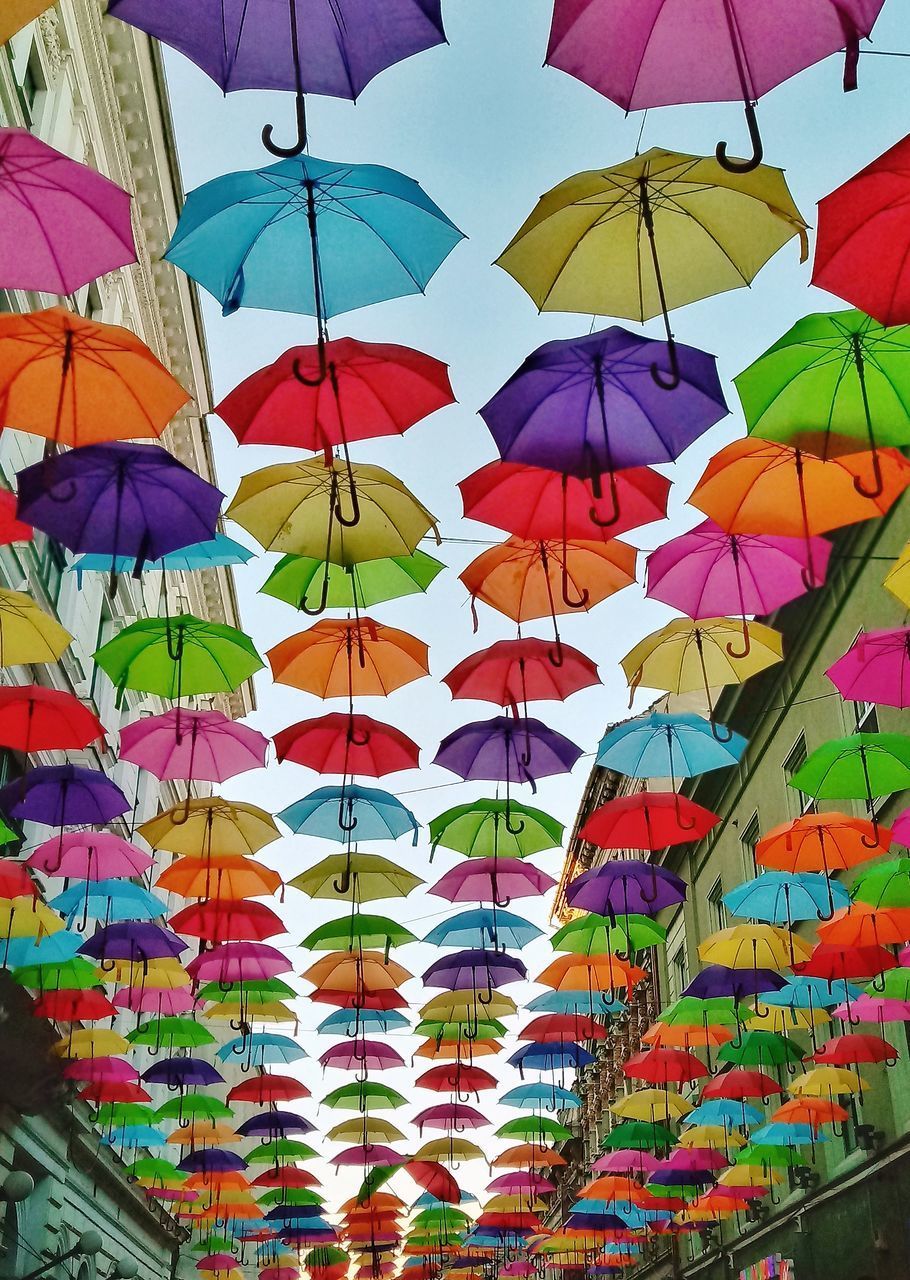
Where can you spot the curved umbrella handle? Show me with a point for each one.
(297, 366)
(719, 732)
(614, 492)
(683, 824)
(668, 382)
(344, 884)
(300, 143)
(66, 494)
(354, 518)
(342, 824)
(758, 150)
(555, 656)
(572, 602)
(747, 644)
(878, 480)
(359, 740)
(875, 841)
(323, 597)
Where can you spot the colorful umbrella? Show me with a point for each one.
(647, 820)
(862, 765)
(479, 829)
(338, 813)
(876, 668)
(624, 887)
(27, 633)
(512, 673)
(825, 842)
(353, 586)
(347, 659)
(506, 749)
(63, 795)
(365, 876)
(202, 746)
(34, 718)
(176, 657)
(682, 745)
(345, 743)
(220, 551)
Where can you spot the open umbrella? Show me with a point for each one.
(682, 745)
(208, 825)
(478, 829)
(507, 749)
(825, 842)
(512, 673)
(197, 745)
(623, 887)
(345, 743)
(862, 766)
(647, 820)
(347, 659)
(365, 876)
(340, 813)
(220, 551)
(63, 795)
(876, 668)
(27, 633)
(35, 718)
(297, 581)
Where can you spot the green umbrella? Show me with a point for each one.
(638, 1135)
(153, 1167)
(281, 1150)
(298, 581)
(486, 1029)
(761, 1049)
(374, 933)
(194, 1106)
(530, 1128)
(175, 657)
(487, 828)
(447, 1215)
(886, 884)
(769, 1157)
(171, 1033)
(834, 383)
(691, 1011)
(671, 1190)
(213, 1244)
(77, 974)
(290, 1195)
(861, 766)
(592, 935)
(325, 1255)
(252, 993)
(892, 985)
(111, 1114)
(364, 1096)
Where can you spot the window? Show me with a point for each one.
(717, 912)
(798, 803)
(678, 972)
(866, 714)
(749, 838)
(33, 89)
(51, 564)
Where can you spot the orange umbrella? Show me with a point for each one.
(77, 381)
(365, 971)
(347, 658)
(590, 973)
(229, 877)
(679, 1036)
(814, 1111)
(822, 842)
(528, 1155)
(204, 1132)
(456, 1049)
(616, 1187)
(864, 926)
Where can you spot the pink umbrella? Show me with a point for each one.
(89, 855)
(634, 1163)
(202, 746)
(239, 962)
(61, 224)
(900, 827)
(521, 1181)
(876, 668)
(108, 1069)
(159, 1001)
(361, 1056)
(518, 1268)
(707, 573)
(498, 880)
(454, 1116)
(686, 1159)
(367, 1156)
(866, 1008)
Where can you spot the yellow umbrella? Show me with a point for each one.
(92, 1042)
(305, 509)
(366, 1129)
(652, 1104)
(783, 1021)
(27, 633)
(165, 974)
(703, 1213)
(449, 1150)
(273, 1011)
(27, 917)
(897, 579)
(513, 1204)
(363, 876)
(211, 826)
(713, 1136)
(16, 14)
(342, 971)
(827, 1082)
(451, 1006)
(656, 232)
(754, 946)
(685, 656)
(749, 1175)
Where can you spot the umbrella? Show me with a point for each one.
(335, 813)
(119, 499)
(362, 1056)
(512, 673)
(210, 824)
(345, 743)
(753, 946)
(592, 934)
(203, 746)
(27, 633)
(604, 973)
(34, 718)
(862, 242)
(483, 928)
(824, 842)
(507, 749)
(480, 829)
(18, 14)
(876, 668)
(218, 921)
(658, 55)
(63, 795)
(588, 406)
(708, 572)
(887, 884)
(220, 551)
(862, 765)
(136, 943)
(469, 970)
(647, 820)
(682, 745)
(344, 659)
(80, 382)
(296, 507)
(63, 224)
(781, 897)
(365, 876)
(353, 586)
(227, 877)
(176, 657)
(108, 900)
(354, 932)
(841, 369)
(618, 888)
(642, 237)
(305, 47)
(11, 529)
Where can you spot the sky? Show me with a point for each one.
(486, 129)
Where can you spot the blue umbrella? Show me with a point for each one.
(108, 900)
(429, 1201)
(551, 1057)
(800, 992)
(529, 1096)
(263, 1048)
(720, 1111)
(484, 928)
(778, 1134)
(668, 746)
(56, 948)
(782, 897)
(134, 1135)
(350, 812)
(592, 1004)
(350, 1022)
(353, 234)
(218, 552)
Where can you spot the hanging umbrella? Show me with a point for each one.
(344, 743)
(825, 842)
(108, 900)
(218, 921)
(34, 718)
(887, 884)
(325, 48)
(862, 766)
(355, 932)
(666, 53)
(296, 579)
(781, 897)
(203, 746)
(176, 657)
(119, 499)
(137, 943)
(603, 973)
(682, 745)
(63, 795)
(470, 970)
(78, 382)
(220, 551)
(512, 673)
(11, 529)
(641, 238)
(753, 946)
(507, 749)
(335, 813)
(170, 1033)
(876, 668)
(479, 829)
(208, 824)
(647, 820)
(238, 962)
(361, 1055)
(365, 876)
(592, 934)
(63, 224)
(483, 928)
(226, 877)
(347, 659)
(618, 888)
(27, 633)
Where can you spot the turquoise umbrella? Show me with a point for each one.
(668, 746)
(350, 1022)
(483, 928)
(350, 813)
(108, 900)
(782, 897)
(219, 552)
(531, 1096)
(263, 1048)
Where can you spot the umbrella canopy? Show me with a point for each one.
(862, 765)
(682, 745)
(686, 656)
(220, 551)
(35, 718)
(334, 813)
(297, 580)
(506, 749)
(647, 820)
(512, 673)
(483, 927)
(63, 224)
(346, 744)
(79, 382)
(480, 829)
(354, 932)
(199, 745)
(209, 824)
(63, 795)
(618, 888)
(27, 633)
(364, 876)
(876, 668)
(351, 658)
(175, 657)
(825, 842)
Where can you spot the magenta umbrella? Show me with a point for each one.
(201, 746)
(361, 1056)
(367, 1156)
(230, 962)
(89, 855)
(876, 668)
(708, 573)
(636, 1163)
(522, 1181)
(162, 1002)
(61, 224)
(451, 1116)
(492, 880)
(900, 827)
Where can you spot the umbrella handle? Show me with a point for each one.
(597, 489)
(297, 367)
(65, 494)
(668, 382)
(878, 480)
(874, 842)
(571, 602)
(348, 521)
(747, 644)
(358, 740)
(681, 822)
(323, 597)
(344, 884)
(720, 732)
(344, 825)
(758, 151)
(299, 145)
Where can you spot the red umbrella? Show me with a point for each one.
(862, 250)
(457, 1077)
(33, 718)
(552, 1028)
(833, 962)
(843, 1051)
(86, 1005)
(114, 1091)
(359, 999)
(15, 882)
(665, 1066)
(218, 921)
(647, 820)
(267, 1089)
(532, 502)
(740, 1084)
(347, 744)
(11, 528)
(512, 673)
(286, 1175)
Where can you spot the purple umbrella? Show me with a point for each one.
(460, 972)
(135, 941)
(61, 224)
(119, 499)
(451, 1116)
(332, 47)
(717, 980)
(63, 795)
(626, 887)
(369, 1155)
(182, 1073)
(585, 406)
(274, 1124)
(213, 1160)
